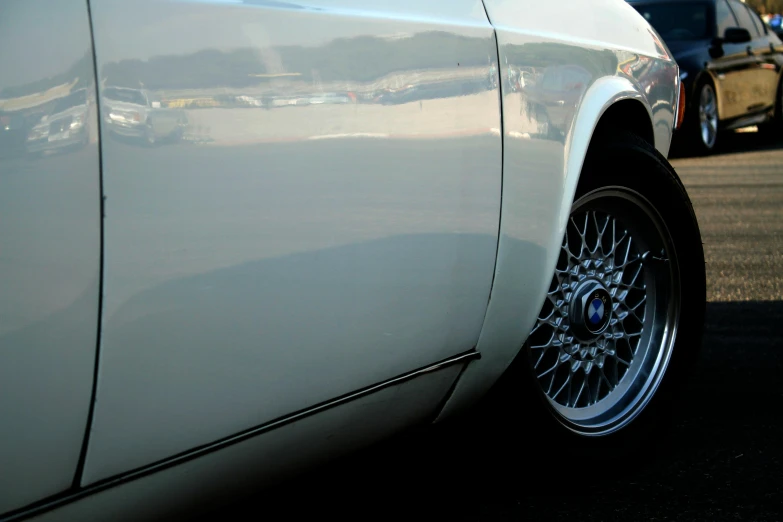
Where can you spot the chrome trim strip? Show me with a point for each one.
(74, 495)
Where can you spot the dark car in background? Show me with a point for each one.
(730, 65)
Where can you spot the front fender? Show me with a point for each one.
(603, 94)
(543, 159)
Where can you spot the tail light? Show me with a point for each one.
(680, 107)
(136, 116)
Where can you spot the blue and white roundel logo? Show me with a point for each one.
(595, 312)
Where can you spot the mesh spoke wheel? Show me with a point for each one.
(604, 336)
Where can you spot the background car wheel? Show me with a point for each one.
(702, 122)
(149, 135)
(621, 326)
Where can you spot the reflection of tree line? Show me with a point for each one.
(380, 70)
(548, 54)
(403, 88)
(82, 71)
(360, 59)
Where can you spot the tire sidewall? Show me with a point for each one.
(655, 180)
(693, 121)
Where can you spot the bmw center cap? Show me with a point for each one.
(597, 311)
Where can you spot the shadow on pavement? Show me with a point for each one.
(722, 461)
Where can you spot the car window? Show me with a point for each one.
(743, 16)
(760, 25)
(677, 21)
(724, 17)
(125, 95)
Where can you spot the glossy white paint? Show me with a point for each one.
(319, 212)
(578, 61)
(49, 244)
(327, 220)
(244, 468)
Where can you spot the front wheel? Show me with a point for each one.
(622, 321)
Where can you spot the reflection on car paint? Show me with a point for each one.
(228, 82)
(137, 113)
(311, 139)
(50, 244)
(41, 118)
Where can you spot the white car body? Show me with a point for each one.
(312, 276)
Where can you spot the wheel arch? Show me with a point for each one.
(611, 103)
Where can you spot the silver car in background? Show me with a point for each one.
(133, 113)
(64, 127)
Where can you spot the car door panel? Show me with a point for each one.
(328, 221)
(764, 82)
(727, 64)
(732, 74)
(749, 78)
(769, 68)
(50, 245)
(244, 467)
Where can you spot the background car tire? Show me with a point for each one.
(696, 142)
(149, 135)
(518, 404)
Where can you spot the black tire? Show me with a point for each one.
(695, 144)
(518, 401)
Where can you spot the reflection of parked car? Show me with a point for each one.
(329, 98)
(730, 64)
(131, 112)
(552, 99)
(392, 95)
(65, 127)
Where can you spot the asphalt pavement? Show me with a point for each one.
(723, 458)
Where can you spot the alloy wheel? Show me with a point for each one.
(708, 116)
(605, 334)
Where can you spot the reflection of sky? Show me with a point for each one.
(27, 47)
(29, 51)
(415, 8)
(607, 21)
(230, 24)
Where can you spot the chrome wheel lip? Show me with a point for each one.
(631, 395)
(708, 116)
